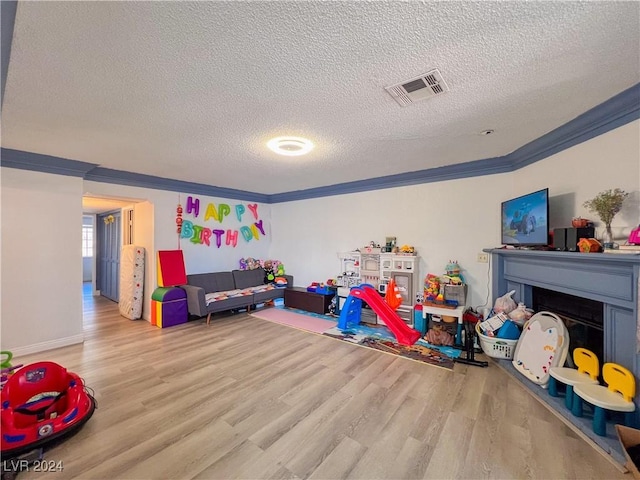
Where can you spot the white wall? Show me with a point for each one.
(455, 219)
(41, 263)
(155, 229)
(143, 223)
(578, 174)
(41, 230)
(444, 221)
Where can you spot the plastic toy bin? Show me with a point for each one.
(496, 347)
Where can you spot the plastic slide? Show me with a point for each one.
(404, 334)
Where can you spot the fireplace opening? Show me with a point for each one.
(584, 319)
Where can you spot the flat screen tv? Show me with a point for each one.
(525, 220)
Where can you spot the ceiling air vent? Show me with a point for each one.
(420, 88)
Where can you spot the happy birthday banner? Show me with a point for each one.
(200, 234)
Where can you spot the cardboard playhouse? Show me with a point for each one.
(168, 302)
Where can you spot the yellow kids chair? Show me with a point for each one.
(587, 371)
(617, 395)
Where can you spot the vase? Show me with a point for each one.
(607, 237)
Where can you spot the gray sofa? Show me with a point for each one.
(209, 293)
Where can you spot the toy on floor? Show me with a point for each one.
(6, 361)
(438, 336)
(7, 368)
(616, 395)
(544, 344)
(352, 309)
(586, 371)
(41, 402)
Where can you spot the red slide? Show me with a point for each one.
(404, 334)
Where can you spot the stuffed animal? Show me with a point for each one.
(243, 264)
(269, 275)
(280, 282)
(438, 336)
(453, 275)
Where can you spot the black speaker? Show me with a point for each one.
(560, 239)
(575, 234)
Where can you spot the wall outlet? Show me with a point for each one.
(483, 258)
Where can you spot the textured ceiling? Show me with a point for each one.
(192, 91)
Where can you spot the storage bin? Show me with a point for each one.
(456, 292)
(325, 290)
(496, 347)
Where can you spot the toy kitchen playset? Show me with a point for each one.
(372, 266)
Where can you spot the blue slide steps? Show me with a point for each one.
(350, 312)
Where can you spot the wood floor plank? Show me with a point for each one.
(447, 460)
(340, 462)
(382, 457)
(249, 399)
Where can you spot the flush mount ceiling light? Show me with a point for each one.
(290, 146)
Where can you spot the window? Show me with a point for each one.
(87, 240)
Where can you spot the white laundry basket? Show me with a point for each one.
(496, 347)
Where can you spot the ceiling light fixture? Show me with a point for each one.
(290, 146)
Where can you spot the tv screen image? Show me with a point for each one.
(525, 219)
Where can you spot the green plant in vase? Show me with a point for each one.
(606, 205)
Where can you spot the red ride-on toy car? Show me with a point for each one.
(41, 402)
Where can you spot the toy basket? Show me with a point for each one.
(496, 347)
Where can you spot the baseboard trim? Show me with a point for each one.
(50, 345)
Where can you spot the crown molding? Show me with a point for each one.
(44, 163)
(615, 112)
(107, 175)
(475, 168)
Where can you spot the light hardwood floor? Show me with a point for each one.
(245, 398)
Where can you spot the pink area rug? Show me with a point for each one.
(292, 319)
(376, 337)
